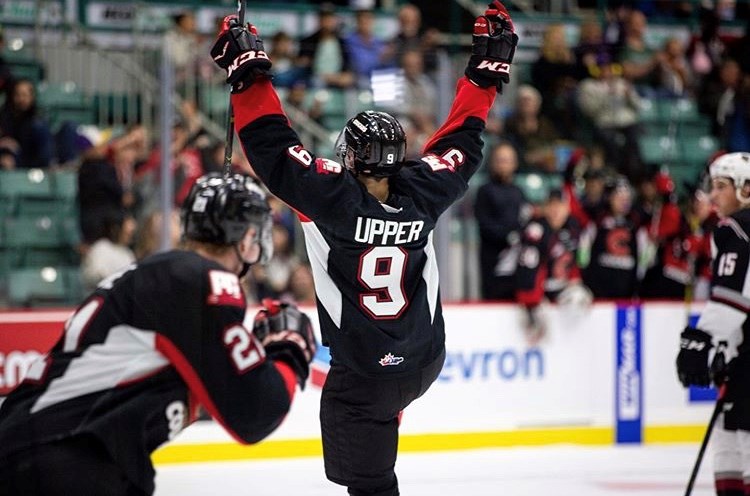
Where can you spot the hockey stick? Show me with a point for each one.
(717, 410)
(228, 148)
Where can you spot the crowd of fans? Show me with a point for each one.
(615, 224)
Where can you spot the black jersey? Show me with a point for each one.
(138, 357)
(548, 260)
(725, 314)
(374, 264)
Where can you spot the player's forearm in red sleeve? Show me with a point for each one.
(470, 101)
(669, 221)
(259, 100)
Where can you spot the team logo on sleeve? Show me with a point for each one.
(225, 289)
(450, 160)
(389, 360)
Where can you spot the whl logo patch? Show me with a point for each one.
(502, 67)
(389, 359)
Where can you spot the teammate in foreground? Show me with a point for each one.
(368, 225)
(149, 347)
(724, 324)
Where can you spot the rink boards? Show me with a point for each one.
(599, 377)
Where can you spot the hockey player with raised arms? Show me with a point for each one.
(724, 325)
(150, 346)
(368, 221)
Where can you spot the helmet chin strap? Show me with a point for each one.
(245, 265)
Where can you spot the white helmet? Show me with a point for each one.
(735, 166)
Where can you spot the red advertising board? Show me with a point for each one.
(24, 336)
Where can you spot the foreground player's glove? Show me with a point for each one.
(239, 51)
(493, 45)
(692, 361)
(287, 335)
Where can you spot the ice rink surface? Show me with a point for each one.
(658, 470)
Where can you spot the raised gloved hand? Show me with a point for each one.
(239, 51)
(692, 360)
(287, 335)
(493, 45)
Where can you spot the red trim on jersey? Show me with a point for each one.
(254, 103)
(730, 303)
(470, 101)
(533, 296)
(576, 210)
(669, 221)
(86, 326)
(729, 485)
(302, 217)
(290, 378)
(190, 376)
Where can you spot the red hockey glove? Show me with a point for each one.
(239, 51)
(692, 361)
(664, 184)
(493, 45)
(287, 335)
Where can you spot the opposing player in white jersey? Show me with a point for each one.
(724, 326)
(148, 348)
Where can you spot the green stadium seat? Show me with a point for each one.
(38, 286)
(35, 207)
(536, 187)
(649, 111)
(34, 232)
(65, 185)
(697, 151)
(25, 183)
(659, 149)
(679, 110)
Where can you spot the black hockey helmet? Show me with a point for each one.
(372, 143)
(220, 210)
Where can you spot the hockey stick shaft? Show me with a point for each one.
(229, 146)
(715, 415)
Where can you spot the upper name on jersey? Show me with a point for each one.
(225, 289)
(387, 232)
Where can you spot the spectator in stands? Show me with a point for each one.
(323, 54)
(675, 78)
(301, 287)
(420, 97)
(613, 105)
(272, 279)
(6, 76)
(532, 133)
(501, 210)
(367, 51)
(718, 93)
(591, 46)
(149, 233)
(411, 36)
(25, 137)
(110, 253)
(183, 42)
(555, 74)
(640, 62)
(105, 181)
(285, 70)
(736, 135)
(705, 51)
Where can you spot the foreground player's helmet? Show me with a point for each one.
(220, 210)
(372, 143)
(734, 166)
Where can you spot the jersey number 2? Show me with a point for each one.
(381, 271)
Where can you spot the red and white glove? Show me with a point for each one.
(239, 51)
(493, 45)
(287, 335)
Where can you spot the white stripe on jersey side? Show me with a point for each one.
(127, 354)
(431, 277)
(325, 289)
(736, 228)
